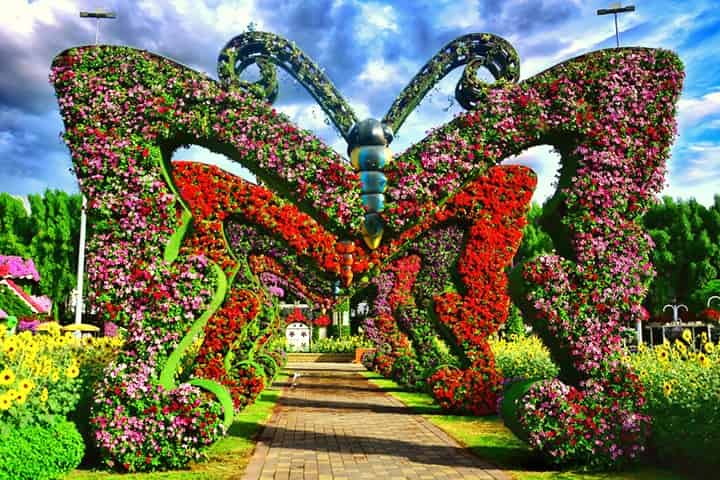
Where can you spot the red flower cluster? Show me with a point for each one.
(322, 321)
(296, 317)
(495, 205)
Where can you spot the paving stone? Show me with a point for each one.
(334, 425)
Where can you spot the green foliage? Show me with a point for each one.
(535, 240)
(346, 344)
(523, 357)
(514, 326)
(701, 295)
(12, 304)
(687, 251)
(338, 330)
(49, 236)
(14, 226)
(40, 452)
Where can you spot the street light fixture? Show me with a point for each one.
(614, 10)
(98, 15)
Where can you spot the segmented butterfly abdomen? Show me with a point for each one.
(369, 153)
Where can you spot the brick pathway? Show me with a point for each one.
(333, 424)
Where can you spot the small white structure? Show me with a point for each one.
(297, 336)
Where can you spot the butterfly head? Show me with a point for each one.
(368, 142)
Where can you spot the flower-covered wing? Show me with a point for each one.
(150, 101)
(617, 98)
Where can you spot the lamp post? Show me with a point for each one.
(675, 308)
(83, 209)
(98, 15)
(615, 9)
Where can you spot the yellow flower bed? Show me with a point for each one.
(682, 389)
(523, 357)
(40, 374)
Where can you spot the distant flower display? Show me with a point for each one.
(18, 268)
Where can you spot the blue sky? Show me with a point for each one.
(370, 50)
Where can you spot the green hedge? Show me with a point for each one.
(340, 345)
(40, 452)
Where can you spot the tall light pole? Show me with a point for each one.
(97, 15)
(615, 9)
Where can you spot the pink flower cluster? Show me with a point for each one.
(12, 266)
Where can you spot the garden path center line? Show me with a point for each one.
(334, 424)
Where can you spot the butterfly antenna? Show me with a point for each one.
(475, 50)
(268, 50)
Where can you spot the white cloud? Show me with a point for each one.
(21, 18)
(545, 162)
(377, 72)
(376, 20)
(196, 153)
(691, 111)
(460, 14)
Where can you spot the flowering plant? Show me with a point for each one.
(12, 266)
(321, 321)
(39, 377)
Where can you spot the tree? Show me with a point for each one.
(14, 233)
(535, 240)
(55, 226)
(687, 251)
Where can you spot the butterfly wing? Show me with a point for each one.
(464, 250)
(119, 88)
(563, 107)
(610, 114)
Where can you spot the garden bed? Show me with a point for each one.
(491, 440)
(321, 357)
(227, 458)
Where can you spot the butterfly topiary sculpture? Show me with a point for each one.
(177, 252)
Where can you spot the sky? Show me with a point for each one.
(369, 49)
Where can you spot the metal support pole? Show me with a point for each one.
(81, 263)
(617, 33)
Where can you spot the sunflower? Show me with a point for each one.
(664, 355)
(72, 371)
(54, 375)
(7, 377)
(20, 398)
(687, 335)
(11, 347)
(667, 389)
(5, 401)
(703, 360)
(44, 395)
(709, 347)
(25, 386)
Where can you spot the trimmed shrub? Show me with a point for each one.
(40, 452)
(340, 345)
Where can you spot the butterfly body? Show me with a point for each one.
(369, 154)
